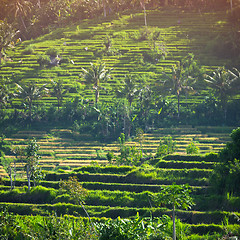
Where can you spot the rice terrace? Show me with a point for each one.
(120, 119)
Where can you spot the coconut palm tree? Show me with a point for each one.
(5, 95)
(29, 93)
(21, 9)
(128, 89)
(7, 34)
(58, 91)
(184, 75)
(179, 83)
(225, 83)
(96, 74)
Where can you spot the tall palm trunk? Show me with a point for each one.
(14, 174)
(1, 56)
(30, 110)
(28, 177)
(174, 223)
(104, 8)
(10, 176)
(96, 96)
(178, 97)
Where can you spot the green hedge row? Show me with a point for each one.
(114, 197)
(184, 164)
(194, 177)
(124, 186)
(191, 217)
(210, 157)
(107, 169)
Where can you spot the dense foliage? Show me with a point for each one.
(226, 176)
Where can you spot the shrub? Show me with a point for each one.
(226, 175)
(166, 146)
(29, 49)
(192, 148)
(63, 198)
(43, 60)
(41, 194)
(52, 52)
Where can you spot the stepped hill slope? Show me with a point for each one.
(180, 32)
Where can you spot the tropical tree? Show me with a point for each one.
(5, 95)
(146, 99)
(10, 164)
(103, 111)
(128, 89)
(183, 77)
(226, 175)
(58, 91)
(140, 137)
(96, 74)
(225, 83)
(143, 6)
(31, 157)
(178, 196)
(7, 35)
(77, 192)
(29, 93)
(21, 9)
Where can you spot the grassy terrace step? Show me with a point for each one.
(103, 180)
(194, 217)
(125, 198)
(184, 164)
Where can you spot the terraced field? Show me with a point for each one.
(126, 190)
(180, 32)
(64, 148)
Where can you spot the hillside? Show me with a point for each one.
(180, 32)
(75, 134)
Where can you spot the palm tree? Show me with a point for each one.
(143, 5)
(225, 83)
(7, 34)
(29, 93)
(21, 9)
(94, 75)
(5, 95)
(184, 74)
(58, 91)
(128, 89)
(179, 83)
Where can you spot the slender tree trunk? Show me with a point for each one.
(104, 8)
(174, 223)
(10, 176)
(166, 3)
(178, 96)
(30, 110)
(88, 216)
(231, 5)
(28, 178)
(25, 28)
(58, 104)
(124, 123)
(14, 174)
(145, 15)
(96, 95)
(1, 56)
